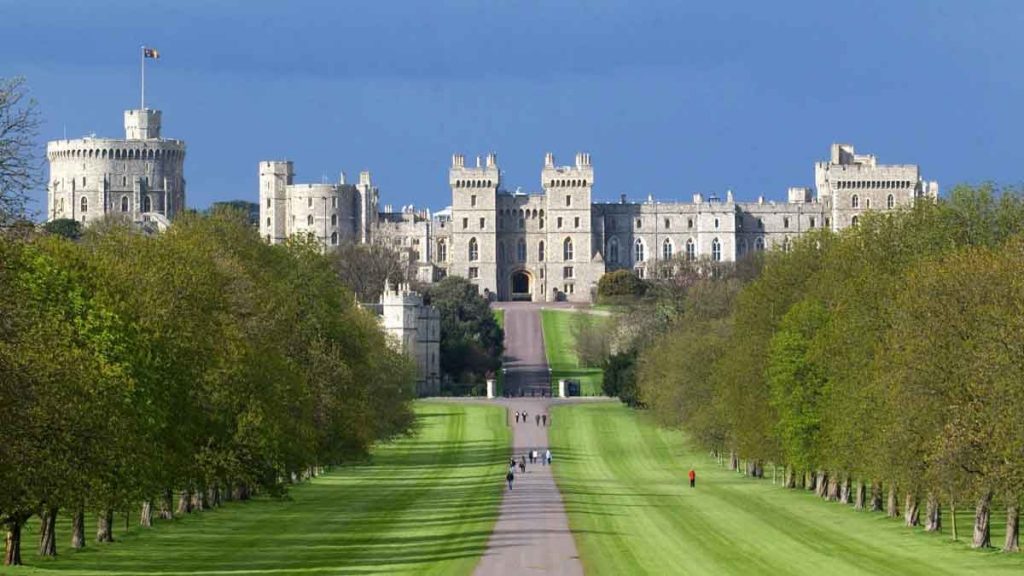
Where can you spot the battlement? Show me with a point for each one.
(142, 124)
(580, 175)
(484, 175)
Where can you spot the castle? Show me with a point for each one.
(140, 177)
(415, 328)
(556, 244)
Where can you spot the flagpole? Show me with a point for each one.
(142, 53)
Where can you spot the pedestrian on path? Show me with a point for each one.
(524, 416)
(537, 419)
(517, 416)
(693, 478)
(547, 457)
(545, 419)
(522, 464)
(510, 477)
(512, 463)
(533, 456)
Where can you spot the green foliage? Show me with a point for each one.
(66, 227)
(471, 340)
(620, 286)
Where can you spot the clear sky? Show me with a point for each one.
(670, 98)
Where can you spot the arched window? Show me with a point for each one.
(666, 249)
(716, 250)
(855, 201)
(759, 244)
(521, 250)
(638, 251)
(474, 250)
(867, 203)
(540, 251)
(309, 220)
(854, 221)
(334, 238)
(567, 250)
(613, 250)
(146, 204)
(691, 250)
(442, 251)
(85, 204)
(890, 202)
(124, 203)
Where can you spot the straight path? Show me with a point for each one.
(532, 533)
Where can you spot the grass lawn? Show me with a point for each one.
(623, 482)
(499, 317)
(425, 504)
(559, 345)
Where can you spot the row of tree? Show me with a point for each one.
(876, 366)
(170, 373)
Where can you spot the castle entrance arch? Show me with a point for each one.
(521, 285)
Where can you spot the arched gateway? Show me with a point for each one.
(521, 285)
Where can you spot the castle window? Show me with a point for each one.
(716, 223)
(483, 223)
(124, 180)
(474, 250)
(568, 200)
(759, 244)
(716, 250)
(854, 221)
(472, 200)
(811, 221)
(613, 250)
(890, 202)
(474, 273)
(576, 222)
(268, 202)
(334, 238)
(666, 249)
(83, 181)
(785, 221)
(638, 251)
(540, 251)
(309, 220)
(268, 222)
(760, 223)
(334, 202)
(85, 204)
(541, 223)
(867, 203)
(667, 223)
(146, 204)
(309, 202)
(639, 223)
(855, 201)
(691, 250)
(521, 250)
(558, 222)
(567, 252)
(567, 272)
(465, 223)
(442, 251)
(584, 182)
(826, 222)
(124, 203)
(334, 219)
(689, 223)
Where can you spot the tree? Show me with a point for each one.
(471, 340)
(66, 227)
(365, 267)
(19, 162)
(620, 286)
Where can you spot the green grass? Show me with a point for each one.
(559, 345)
(623, 482)
(425, 504)
(499, 317)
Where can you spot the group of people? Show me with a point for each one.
(539, 419)
(534, 456)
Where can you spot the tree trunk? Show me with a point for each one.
(952, 517)
(982, 526)
(48, 531)
(78, 529)
(933, 513)
(911, 511)
(844, 491)
(859, 495)
(1012, 542)
(733, 461)
(809, 480)
(105, 526)
(758, 469)
(876, 497)
(146, 514)
(832, 493)
(184, 502)
(789, 478)
(821, 484)
(198, 500)
(12, 543)
(213, 497)
(892, 509)
(166, 505)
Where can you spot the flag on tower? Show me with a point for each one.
(150, 52)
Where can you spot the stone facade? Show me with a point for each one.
(556, 244)
(140, 177)
(415, 329)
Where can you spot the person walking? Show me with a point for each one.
(693, 478)
(537, 419)
(544, 417)
(547, 457)
(522, 464)
(533, 456)
(517, 416)
(510, 476)
(524, 416)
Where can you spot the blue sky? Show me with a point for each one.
(670, 98)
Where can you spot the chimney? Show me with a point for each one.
(549, 160)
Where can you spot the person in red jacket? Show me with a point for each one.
(693, 478)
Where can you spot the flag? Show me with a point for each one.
(150, 52)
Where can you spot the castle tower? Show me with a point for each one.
(275, 177)
(571, 245)
(367, 199)
(474, 225)
(140, 177)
